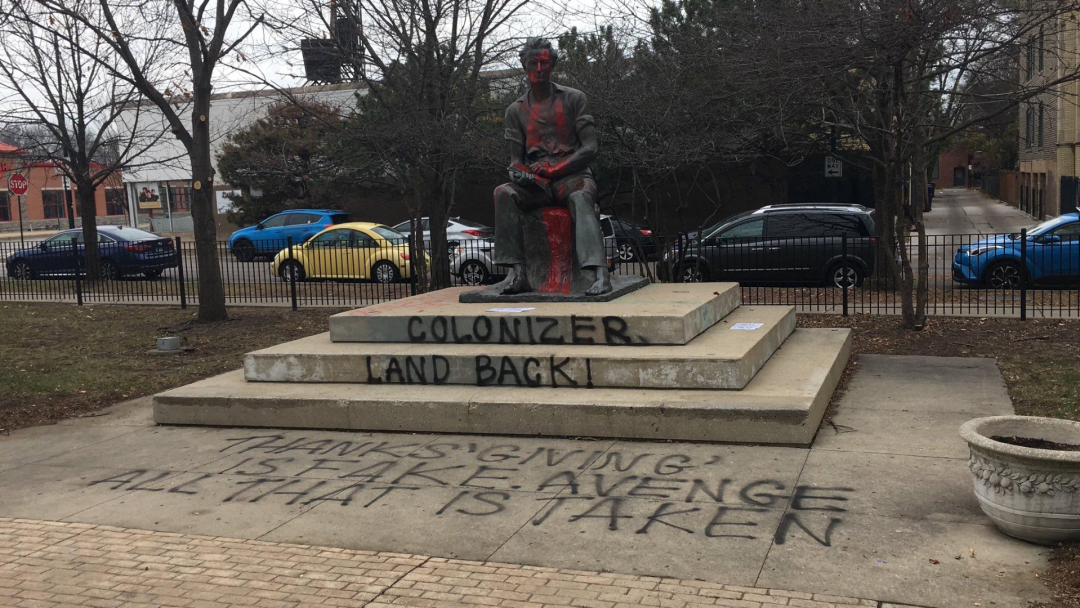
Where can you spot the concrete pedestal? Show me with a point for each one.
(678, 362)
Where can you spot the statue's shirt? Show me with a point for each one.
(547, 128)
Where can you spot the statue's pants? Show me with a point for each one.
(576, 192)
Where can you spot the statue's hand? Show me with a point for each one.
(544, 169)
(520, 177)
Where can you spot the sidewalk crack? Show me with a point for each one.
(394, 584)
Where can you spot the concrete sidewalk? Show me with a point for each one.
(880, 508)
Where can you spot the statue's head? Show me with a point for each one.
(539, 59)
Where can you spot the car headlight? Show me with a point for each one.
(983, 249)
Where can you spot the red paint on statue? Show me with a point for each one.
(560, 273)
(560, 121)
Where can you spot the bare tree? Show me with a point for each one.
(66, 104)
(169, 51)
(427, 111)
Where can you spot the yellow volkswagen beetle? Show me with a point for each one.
(356, 250)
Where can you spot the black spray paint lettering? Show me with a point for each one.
(521, 330)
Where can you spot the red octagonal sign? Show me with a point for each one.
(17, 184)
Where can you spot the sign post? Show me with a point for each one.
(18, 186)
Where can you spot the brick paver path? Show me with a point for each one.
(68, 564)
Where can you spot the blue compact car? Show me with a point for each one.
(124, 251)
(1053, 257)
(272, 234)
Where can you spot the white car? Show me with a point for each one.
(457, 229)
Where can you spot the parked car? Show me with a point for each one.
(472, 262)
(351, 251)
(457, 229)
(1053, 256)
(629, 240)
(123, 251)
(272, 234)
(781, 244)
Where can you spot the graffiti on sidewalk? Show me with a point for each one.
(638, 490)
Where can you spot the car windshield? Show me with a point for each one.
(1044, 227)
(712, 230)
(389, 234)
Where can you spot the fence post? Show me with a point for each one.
(78, 276)
(180, 273)
(1023, 274)
(292, 276)
(843, 253)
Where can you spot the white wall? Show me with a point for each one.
(167, 159)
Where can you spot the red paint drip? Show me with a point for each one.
(560, 121)
(560, 274)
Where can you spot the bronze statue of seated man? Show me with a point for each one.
(552, 142)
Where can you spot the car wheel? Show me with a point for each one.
(292, 271)
(625, 252)
(692, 273)
(838, 276)
(22, 271)
(244, 250)
(153, 274)
(385, 272)
(1004, 275)
(473, 273)
(109, 270)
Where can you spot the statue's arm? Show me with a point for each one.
(579, 160)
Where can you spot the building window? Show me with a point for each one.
(5, 207)
(179, 196)
(115, 201)
(1042, 114)
(52, 202)
(1042, 45)
(1030, 54)
(1029, 126)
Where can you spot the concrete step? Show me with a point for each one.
(783, 404)
(656, 314)
(719, 358)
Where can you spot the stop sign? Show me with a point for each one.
(17, 184)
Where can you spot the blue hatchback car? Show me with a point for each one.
(1053, 257)
(123, 251)
(272, 234)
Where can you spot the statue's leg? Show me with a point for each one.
(588, 238)
(510, 239)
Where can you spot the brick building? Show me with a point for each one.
(1049, 130)
(44, 207)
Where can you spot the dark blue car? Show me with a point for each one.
(272, 234)
(1053, 257)
(124, 251)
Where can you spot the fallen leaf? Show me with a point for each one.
(934, 561)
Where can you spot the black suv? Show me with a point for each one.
(792, 244)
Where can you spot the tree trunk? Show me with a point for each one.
(900, 224)
(211, 289)
(439, 201)
(84, 191)
(918, 203)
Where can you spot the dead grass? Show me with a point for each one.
(59, 360)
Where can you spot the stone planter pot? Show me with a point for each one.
(1032, 494)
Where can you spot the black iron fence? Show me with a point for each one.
(984, 275)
